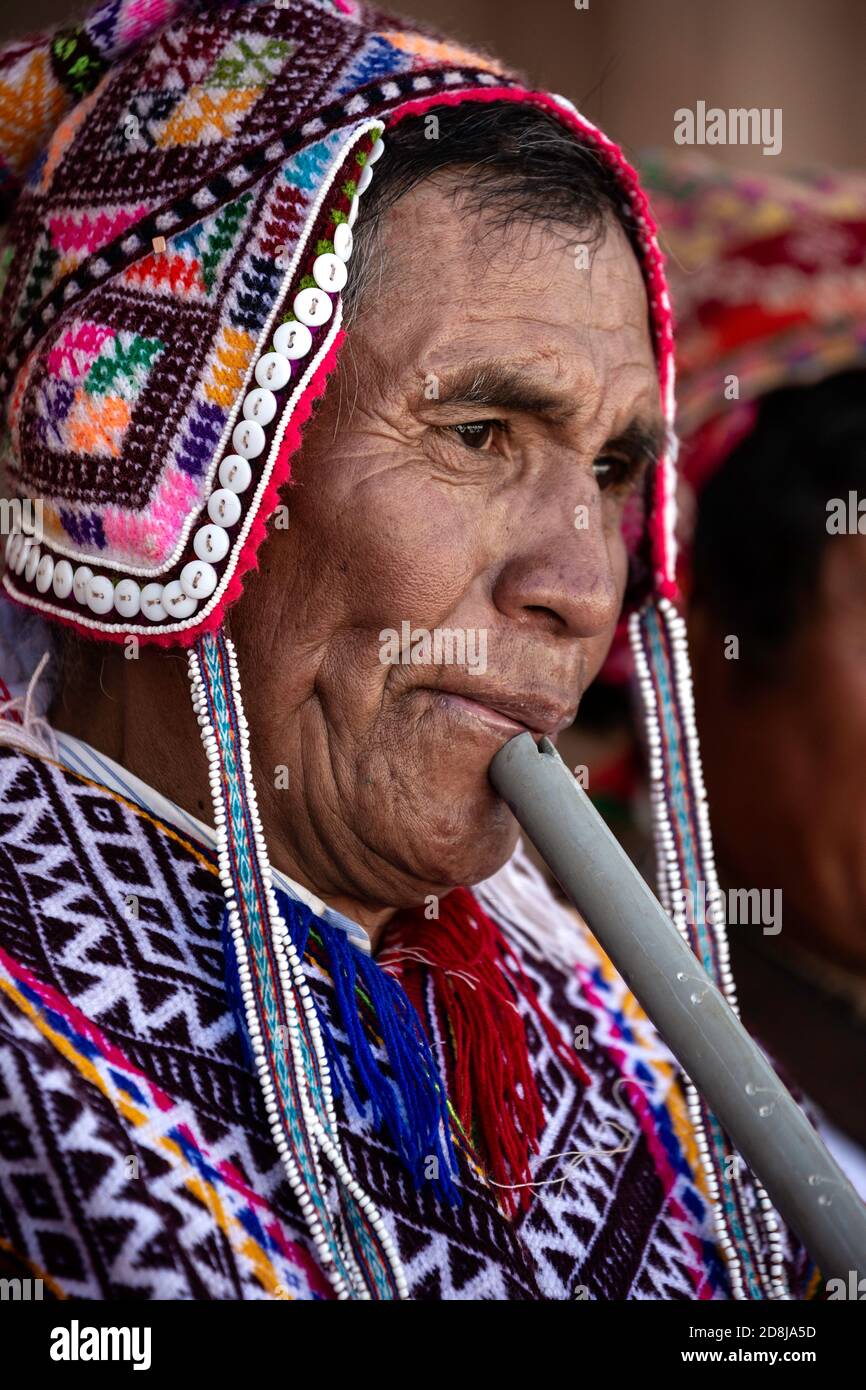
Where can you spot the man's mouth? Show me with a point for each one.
(511, 714)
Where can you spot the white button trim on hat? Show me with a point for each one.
(260, 405)
(248, 438)
(235, 474)
(100, 594)
(176, 602)
(312, 307)
(127, 598)
(293, 340)
(62, 581)
(273, 371)
(211, 543)
(22, 550)
(29, 560)
(151, 602)
(34, 555)
(198, 579)
(330, 272)
(343, 240)
(80, 583)
(44, 574)
(224, 507)
(23, 560)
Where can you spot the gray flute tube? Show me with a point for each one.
(764, 1122)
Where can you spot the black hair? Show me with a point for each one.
(762, 530)
(508, 160)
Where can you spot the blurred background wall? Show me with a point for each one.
(629, 64)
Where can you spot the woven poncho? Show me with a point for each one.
(181, 181)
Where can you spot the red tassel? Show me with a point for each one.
(477, 979)
(5, 696)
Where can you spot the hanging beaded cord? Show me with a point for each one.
(387, 1068)
(355, 1248)
(685, 859)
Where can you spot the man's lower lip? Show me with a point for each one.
(479, 711)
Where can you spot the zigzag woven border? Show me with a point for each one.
(253, 1230)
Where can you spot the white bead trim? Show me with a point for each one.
(668, 883)
(319, 1111)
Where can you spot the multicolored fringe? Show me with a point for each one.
(406, 1094)
(478, 979)
(357, 1252)
(685, 862)
(472, 1007)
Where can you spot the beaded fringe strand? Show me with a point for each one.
(684, 854)
(356, 1250)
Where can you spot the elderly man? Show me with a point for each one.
(293, 1016)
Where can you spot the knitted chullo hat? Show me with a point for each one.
(767, 276)
(768, 281)
(184, 178)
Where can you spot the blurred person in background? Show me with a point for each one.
(768, 278)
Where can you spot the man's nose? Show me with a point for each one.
(561, 574)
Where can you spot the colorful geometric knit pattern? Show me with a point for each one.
(117, 421)
(159, 240)
(136, 1157)
(767, 277)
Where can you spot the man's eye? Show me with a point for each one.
(612, 472)
(476, 434)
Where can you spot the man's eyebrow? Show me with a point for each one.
(503, 387)
(640, 439)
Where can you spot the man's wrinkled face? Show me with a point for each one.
(466, 474)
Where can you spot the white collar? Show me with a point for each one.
(80, 757)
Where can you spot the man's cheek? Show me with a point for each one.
(618, 553)
(598, 647)
(414, 566)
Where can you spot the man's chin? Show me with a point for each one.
(438, 823)
(463, 858)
